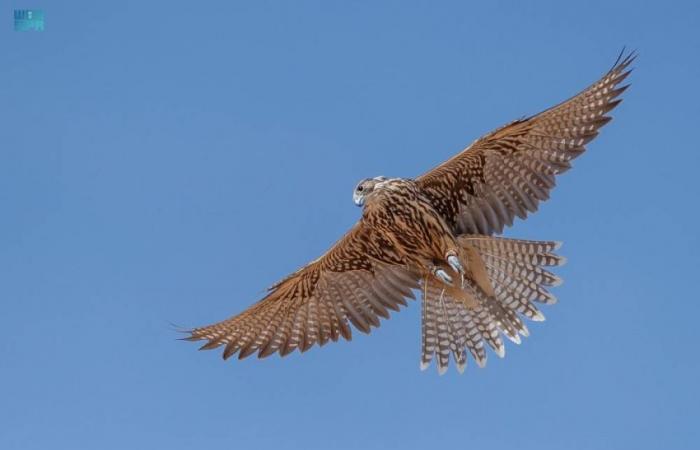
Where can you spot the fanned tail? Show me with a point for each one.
(455, 321)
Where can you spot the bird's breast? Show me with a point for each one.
(409, 221)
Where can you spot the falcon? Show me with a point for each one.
(437, 235)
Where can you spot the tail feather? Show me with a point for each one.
(445, 337)
(534, 252)
(456, 334)
(489, 331)
(521, 288)
(521, 269)
(445, 333)
(507, 245)
(474, 342)
(514, 268)
(518, 303)
(428, 332)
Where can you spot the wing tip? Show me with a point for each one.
(538, 317)
(210, 345)
(461, 366)
(524, 331)
(624, 59)
(514, 338)
(500, 351)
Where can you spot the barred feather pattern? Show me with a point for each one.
(412, 229)
(516, 269)
(508, 172)
(356, 282)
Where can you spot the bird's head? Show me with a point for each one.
(365, 188)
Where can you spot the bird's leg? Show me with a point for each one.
(441, 274)
(453, 261)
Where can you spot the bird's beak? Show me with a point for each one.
(359, 200)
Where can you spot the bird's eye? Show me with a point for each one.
(360, 188)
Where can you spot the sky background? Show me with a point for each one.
(165, 162)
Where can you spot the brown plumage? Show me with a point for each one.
(434, 234)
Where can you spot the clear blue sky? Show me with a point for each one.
(165, 163)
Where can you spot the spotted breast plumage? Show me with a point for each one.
(436, 235)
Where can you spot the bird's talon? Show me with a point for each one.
(443, 276)
(453, 261)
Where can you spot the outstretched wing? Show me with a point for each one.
(358, 280)
(509, 171)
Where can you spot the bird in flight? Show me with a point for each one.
(436, 235)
